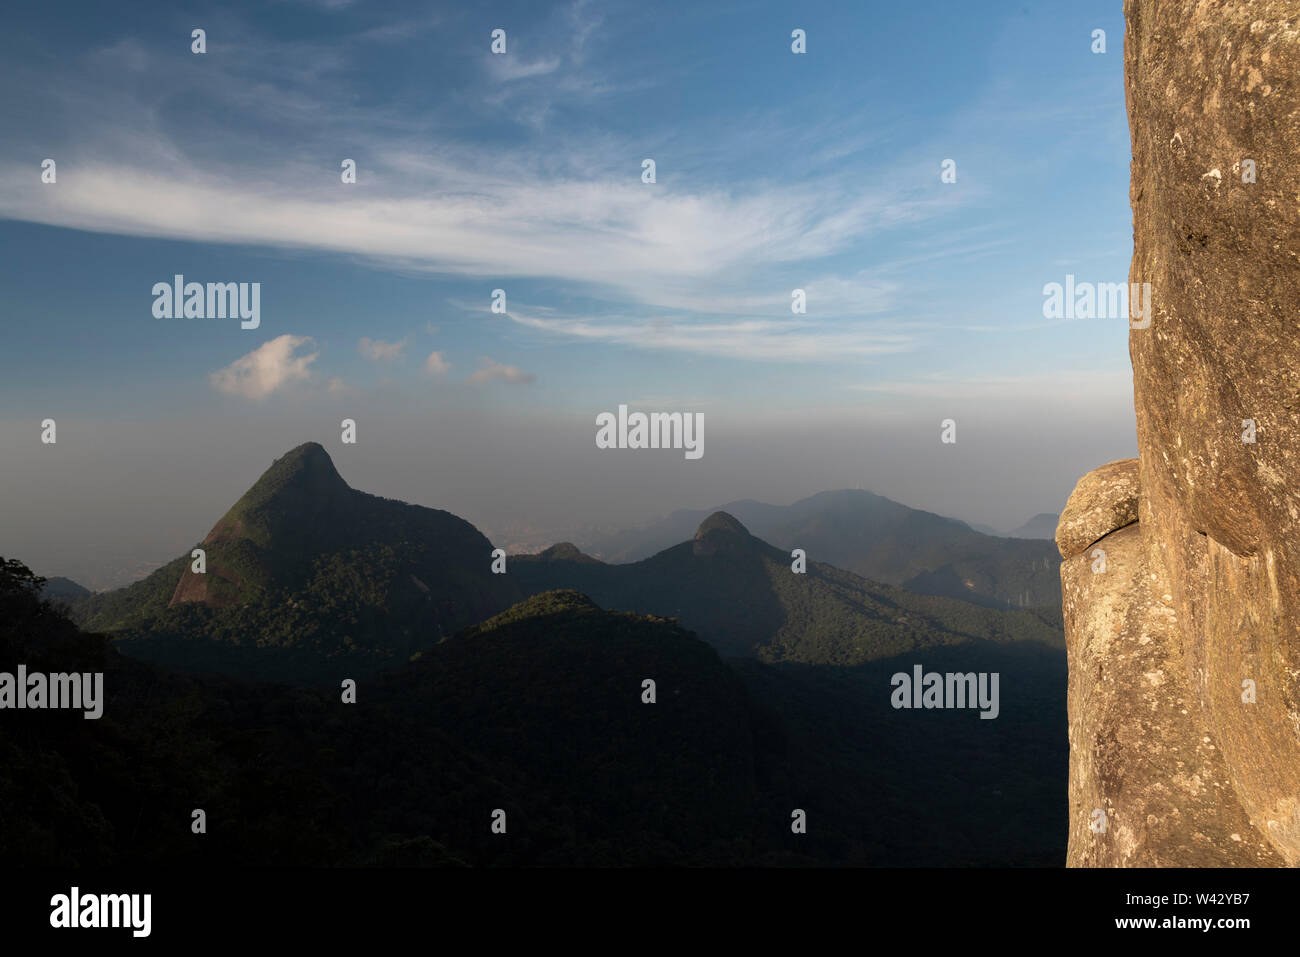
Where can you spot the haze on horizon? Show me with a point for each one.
(775, 172)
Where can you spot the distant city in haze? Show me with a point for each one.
(525, 172)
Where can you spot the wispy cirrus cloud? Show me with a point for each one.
(615, 233)
(460, 208)
(505, 68)
(771, 340)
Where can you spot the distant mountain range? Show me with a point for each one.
(741, 595)
(878, 539)
(1042, 525)
(305, 576)
(524, 691)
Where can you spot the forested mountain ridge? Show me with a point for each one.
(879, 539)
(304, 573)
(741, 594)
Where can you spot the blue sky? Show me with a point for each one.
(775, 171)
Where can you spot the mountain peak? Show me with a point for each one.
(564, 551)
(721, 522)
(559, 601)
(299, 490)
(308, 457)
(306, 470)
(301, 526)
(722, 534)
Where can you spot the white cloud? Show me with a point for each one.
(379, 350)
(557, 210)
(436, 364)
(504, 67)
(775, 340)
(490, 369)
(481, 224)
(267, 368)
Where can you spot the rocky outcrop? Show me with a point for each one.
(1105, 499)
(1183, 635)
(1148, 785)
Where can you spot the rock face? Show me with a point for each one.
(1185, 647)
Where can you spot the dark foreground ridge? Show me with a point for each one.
(542, 713)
